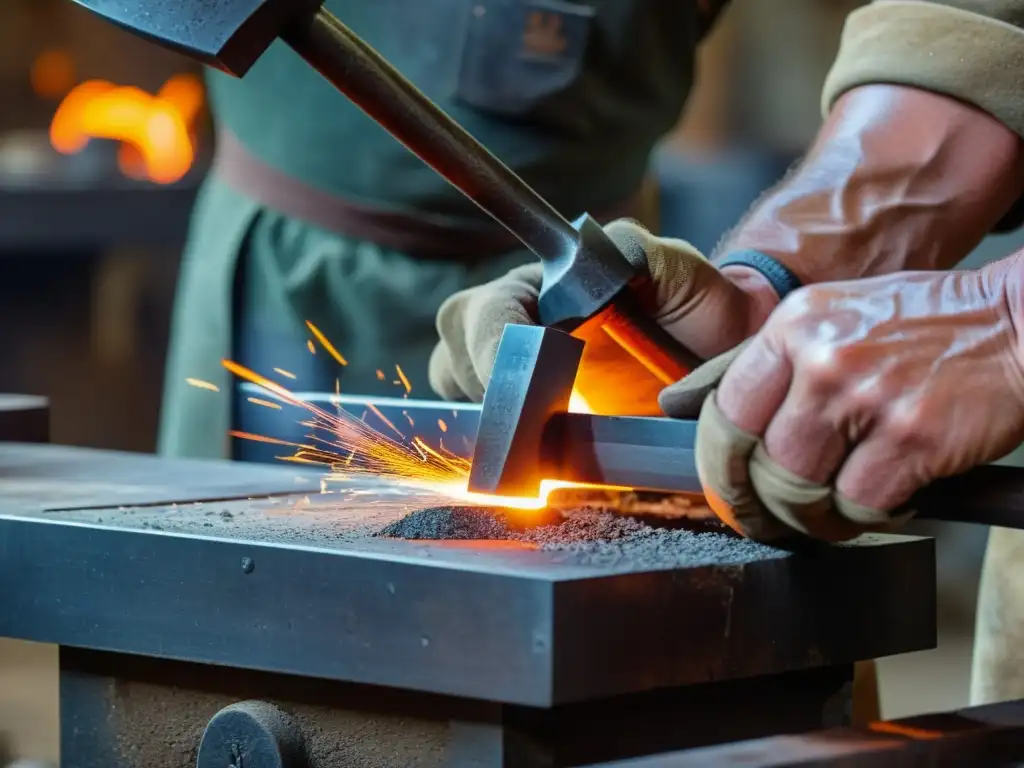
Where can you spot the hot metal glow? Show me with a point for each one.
(353, 447)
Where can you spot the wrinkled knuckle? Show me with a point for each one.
(820, 368)
(865, 397)
(908, 426)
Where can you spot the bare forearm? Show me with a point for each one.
(898, 179)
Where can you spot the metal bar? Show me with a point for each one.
(657, 454)
(635, 452)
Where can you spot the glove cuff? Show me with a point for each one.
(778, 275)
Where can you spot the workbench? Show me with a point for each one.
(179, 588)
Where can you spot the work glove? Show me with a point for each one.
(855, 395)
(707, 311)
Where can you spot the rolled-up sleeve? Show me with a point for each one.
(972, 50)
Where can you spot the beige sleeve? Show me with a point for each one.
(972, 50)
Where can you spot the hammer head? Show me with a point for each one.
(585, 280)
(532, 380)
(227, 34)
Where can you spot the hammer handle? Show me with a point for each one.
(376, 87)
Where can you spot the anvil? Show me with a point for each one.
(213, 609)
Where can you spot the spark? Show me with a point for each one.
(264, 403)
(354, 446)
(299, 460)
(409, 419)
(202, 384)
(403, 379)
(244, 373)
(310, 347)
(376, 412)
(347, 446)
(326, 344)
(263, 439)
(285, 373)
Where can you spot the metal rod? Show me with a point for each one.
(658, 454)
(377, 88)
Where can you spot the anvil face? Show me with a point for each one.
(227, 34)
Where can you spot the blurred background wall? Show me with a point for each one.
(89, 245)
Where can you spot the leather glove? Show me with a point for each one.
(855, 395)
(706, 310)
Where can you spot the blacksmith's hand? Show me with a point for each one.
(707, 310)
(854, 395)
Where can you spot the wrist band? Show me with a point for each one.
(775, 272)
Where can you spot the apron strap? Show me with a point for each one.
(418, 234)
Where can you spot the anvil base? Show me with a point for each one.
(120, 711)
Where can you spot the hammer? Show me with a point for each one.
(586, 278)
(526, 434)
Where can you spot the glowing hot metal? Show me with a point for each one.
(351, 447)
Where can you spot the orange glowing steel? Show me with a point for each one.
(355, 447)
(155, 131)
(578, 403)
